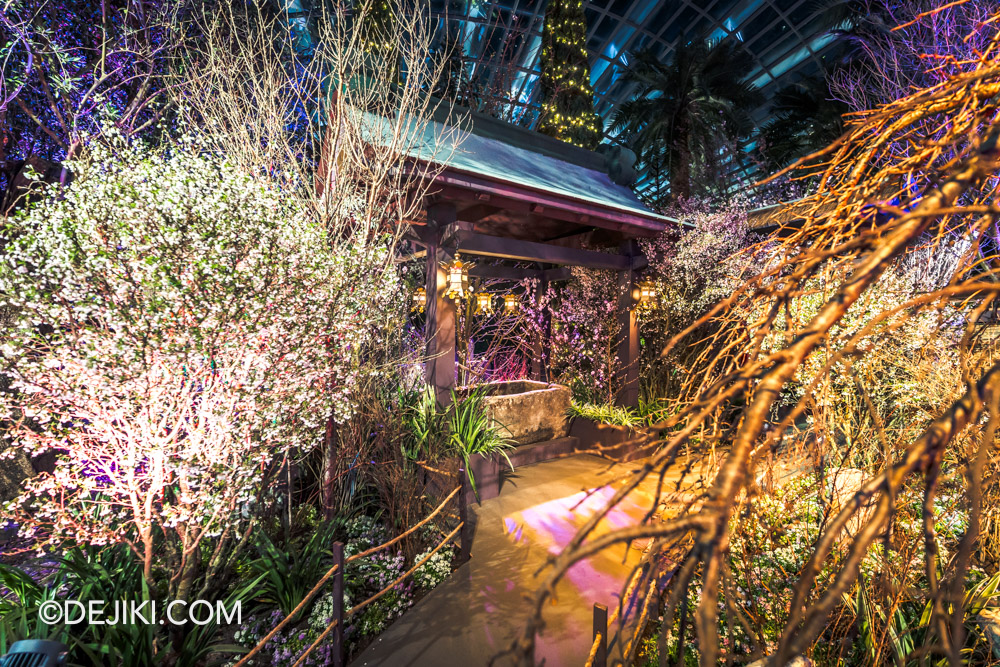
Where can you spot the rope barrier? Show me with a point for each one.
(406, 574)
(333, 570)
(322, 636)
(633, 583)
(376, 596)
(643, 618)
(593, 650)
(435, 470)
(369, 552)
(285, 621)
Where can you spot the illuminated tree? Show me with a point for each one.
(379, 25)
(178, 329)
(879, 209)
(568, 107)
(273, 116)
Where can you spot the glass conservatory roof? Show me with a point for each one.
(787, 39)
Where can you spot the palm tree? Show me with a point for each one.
(804, 118)
(687, 110)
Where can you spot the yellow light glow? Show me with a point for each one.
(647, 295)
(510, 304)
(484, 303)
(419, 299)
(457, 279)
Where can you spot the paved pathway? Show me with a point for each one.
(483, 605)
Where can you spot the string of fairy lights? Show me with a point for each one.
(567, 112)
(568, 98)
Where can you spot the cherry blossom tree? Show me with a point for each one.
(178, 329)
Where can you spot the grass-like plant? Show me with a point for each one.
(19, 617)
(463, 429)
(605, 413)
(425, 424)
(287, 574)
(472, 431)
(110, 574)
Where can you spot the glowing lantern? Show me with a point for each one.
(647, 295)
(509, 304)
(457, 279)
(420, 299)
(484, 303)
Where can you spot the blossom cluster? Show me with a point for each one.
(287, 646)
(175, 327)
(584, 332)
(367, 576)
(435, 570)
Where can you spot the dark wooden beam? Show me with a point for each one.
(491, 272)
(553, 275)
(541, 340)
(521, 207)
(477, 212)
(525, 203)
(571, 238)
(471, 243)
(490, 190)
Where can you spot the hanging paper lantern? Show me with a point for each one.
(647, 295)
(457, 279)
(484, 303)
(419, 299)
(510, 304)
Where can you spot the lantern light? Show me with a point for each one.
(419, 299)
(457, 278)
(509, 304)
(647, 295)
(484, 303)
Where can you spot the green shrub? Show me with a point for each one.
(605, 414)
(109, 574)
(471, 431)
(773, 539)
(287, 574)
(464, 429)
(425, 423)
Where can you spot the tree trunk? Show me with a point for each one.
(187, 577)
(329, 483)
(680, 176)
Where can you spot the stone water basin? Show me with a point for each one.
(527, 411)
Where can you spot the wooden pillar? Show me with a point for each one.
(628, 344)
(541, 344)
(440, 323)
(600, 628)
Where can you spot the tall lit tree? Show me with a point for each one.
(379, 27)
(568, 100)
